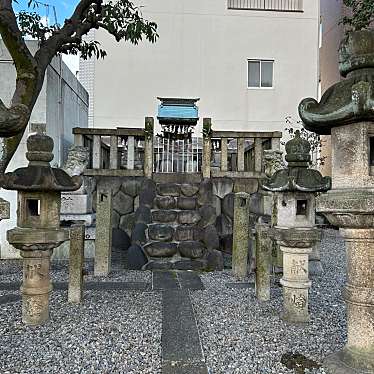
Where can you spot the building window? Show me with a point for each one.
(269, 5)
(260, 73)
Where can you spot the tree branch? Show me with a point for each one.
(14, 119)
(72, 25)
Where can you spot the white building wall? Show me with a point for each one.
(332, 34)
(61, 93)
(202, 52)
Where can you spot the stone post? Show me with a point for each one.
(207, 147)
(148, 147)
(96, 152)
(241, 233)
(346, 112)
(240, 149)
(113, 155)
(315, 265)
(76, 262)
(103, 241)
(263, 262)
(36, 287)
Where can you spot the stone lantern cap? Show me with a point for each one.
(350, 100)
(297, 177)
(39, 175)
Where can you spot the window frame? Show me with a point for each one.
(260, 60)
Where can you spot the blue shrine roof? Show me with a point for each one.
(175, 108)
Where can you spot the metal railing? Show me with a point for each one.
(272, 5)
(177, 156)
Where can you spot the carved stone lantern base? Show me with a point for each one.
(36, 287)
(296, 244)
(36, 246)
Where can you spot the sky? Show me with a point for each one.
(64, 9)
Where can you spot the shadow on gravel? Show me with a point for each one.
(9, 299)
(298, 362)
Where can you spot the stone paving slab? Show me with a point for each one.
(165, 280)
(91, 286)
(189, 280)
(181, 346)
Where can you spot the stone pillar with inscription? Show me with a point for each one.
(346, 112)
(38, 230)
(241, 232)
(294, 205)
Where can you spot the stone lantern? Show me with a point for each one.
(38, 230)
(346, 111)
(294, 206)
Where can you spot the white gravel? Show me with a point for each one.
(11, 271)
(111, 332)
(241, 335)
(120, 331)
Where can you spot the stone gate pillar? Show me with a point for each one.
(346, 112)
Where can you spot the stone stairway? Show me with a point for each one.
(177, 234)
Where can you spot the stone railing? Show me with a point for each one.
(132, 151)
(118, 151)
(236, 154)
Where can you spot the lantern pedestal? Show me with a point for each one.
(36, 286)
(352, 212)
(36, 246)
(296, 244)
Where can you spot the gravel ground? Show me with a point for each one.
(120, 331)
(241, 335)
(111, 332)
(11, 271)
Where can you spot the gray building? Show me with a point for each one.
(62, 105)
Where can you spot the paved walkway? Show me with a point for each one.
(182, 352)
